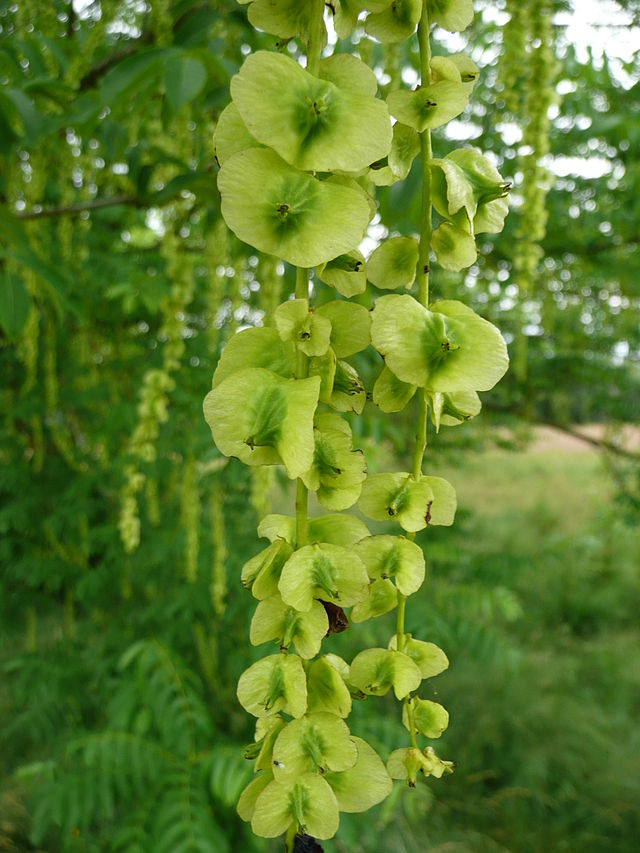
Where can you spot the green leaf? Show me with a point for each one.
(273, 684)
(393, 263)
(184, 78)
(274, 620)
(430, 718)
(382, 598)
(307, 801)
(396, 22)
(15, 304)
(430, 659)
(365, 784)
(346, 273)
(327, 690)
(328, 572)
(309, 122)
(259, 347)
(130, 73)
(390, 393)
(455, 249)
(315, 743)
(428, 106)
(393, 557)
(309, 331)
(350, 326)
(444, 348)
(397, 496)
(263, 419)
(376, 671)
(288, 213)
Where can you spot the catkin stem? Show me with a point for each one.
(424, 252)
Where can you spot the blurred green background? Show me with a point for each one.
(123, 625)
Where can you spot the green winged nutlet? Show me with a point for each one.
(395, 22)
(382, 598)
(405, 147)
(394, 557)
(407, 763)
(308, 330)
(262, 572)
(390, 393)
(452, 15)
(314, 743)
(428, 106)
(446, 347)
(365, 784)
(327, 690)
(307, 801)
(338, 470)
(328, 572)
(376, 671)
(393, 263)
(275, 683)
(275, 620)
(468, 190)
(346, 273)
(333, 528)
(310, 122)
(429, 658)
(429, 718)
(284, 18)
(264, 419)
(231, 135)
(283, 211)
(256, 347)
(397, 497)
(350, 326)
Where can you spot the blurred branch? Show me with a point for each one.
(70, 209)
(598, 443)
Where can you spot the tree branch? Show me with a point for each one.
(598, 443)
(71, 209)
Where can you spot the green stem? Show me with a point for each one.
(316, 36)
(301, 514)
(402, 603)
(290, 838)
(302, 283)
(424, 252)
(302, 493)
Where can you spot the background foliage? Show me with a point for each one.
(124, 625)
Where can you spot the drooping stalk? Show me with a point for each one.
(422, 277)
(302, 493)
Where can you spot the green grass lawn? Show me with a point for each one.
(533, 593)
